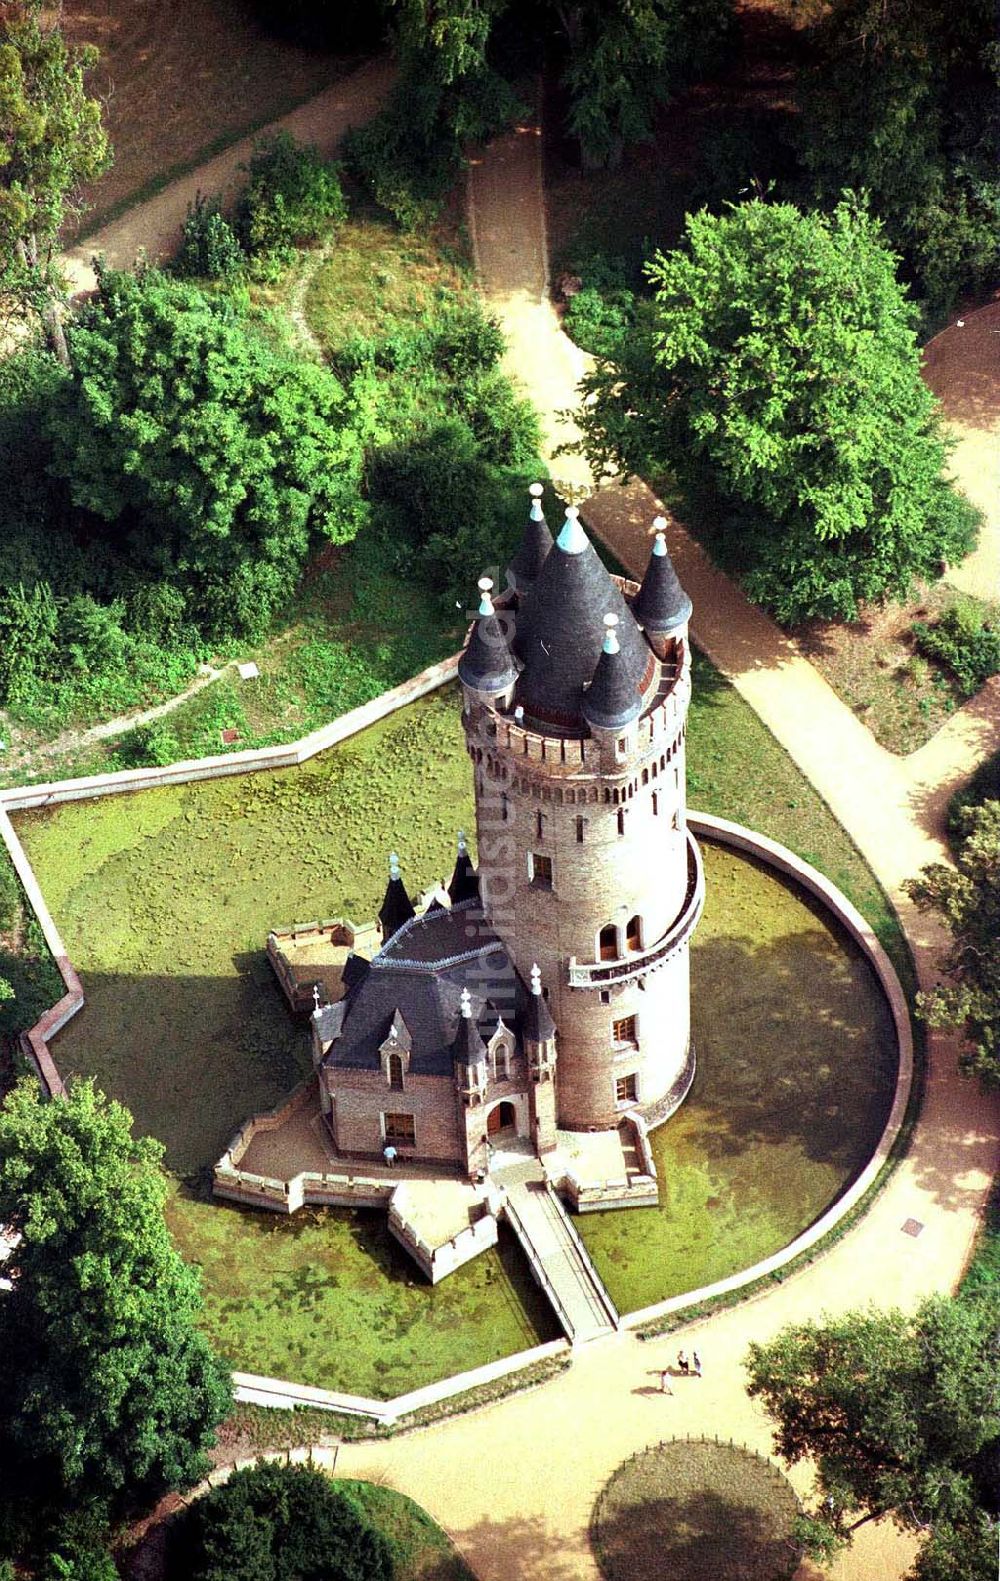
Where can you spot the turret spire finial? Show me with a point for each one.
(485, 585)
(466, 1004)
(536, 491)
(393, 865)
(536, 979)
(611, 643)
(462, 845)
(572, 539)
(660, 541)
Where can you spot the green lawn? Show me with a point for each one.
(796, 1072)
(423, 1551)
(696, 1510)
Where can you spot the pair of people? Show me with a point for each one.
(684, 1366)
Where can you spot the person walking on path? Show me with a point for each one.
(665, 1381)
(696, 1363)
(682, 1361)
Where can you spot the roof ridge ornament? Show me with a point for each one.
(572, 539)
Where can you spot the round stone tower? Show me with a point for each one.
(576, 687)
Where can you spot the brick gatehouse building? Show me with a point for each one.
(547, 990)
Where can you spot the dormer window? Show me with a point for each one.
(394, 1072)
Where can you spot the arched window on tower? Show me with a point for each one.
(608, 943)
(633, 935)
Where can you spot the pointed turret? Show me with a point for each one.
(612, 700)
(464, 883)
(539, 1026)
(661, 605)
(487, 665)
(468, 1049)
(560, 628)
(397, 907)
(523, 570)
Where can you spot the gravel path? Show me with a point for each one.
(153, 227)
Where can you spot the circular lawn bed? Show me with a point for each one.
(696, 1510)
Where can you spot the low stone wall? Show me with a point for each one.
(639, 1192)
(268, 1121)
(277, 1392)
(850, 919)
(436, 1262)
(183, 773)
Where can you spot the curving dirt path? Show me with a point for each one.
(153, 227)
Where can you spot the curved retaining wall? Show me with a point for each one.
(810, 879)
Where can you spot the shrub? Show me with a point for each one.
(209, 249)
(598, 320)
(278, 1523)
(10, 894)
(293, 196)
(965, 642)
(982, 787)
(28, 622)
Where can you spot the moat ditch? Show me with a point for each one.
(164, 900)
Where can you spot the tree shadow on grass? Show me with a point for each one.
(700, 1536)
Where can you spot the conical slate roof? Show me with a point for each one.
(612, 699)
(560, 628)
(464, 883)
(661, 603)
(538, 1024)
(396, 907)
(468, 1047)
(523, 570)
(487, 665)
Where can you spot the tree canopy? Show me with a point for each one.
(51, 142)
(778, 359)
(901, 1415)
(901, 101)
(279, 1523)
(109, 1395)
(967, 898)
(213, 453)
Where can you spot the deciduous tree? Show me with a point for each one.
(779, 358)
(216, 456)
(51, 143)
(109, 1395)
(898, 1413)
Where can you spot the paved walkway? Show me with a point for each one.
(153, 227)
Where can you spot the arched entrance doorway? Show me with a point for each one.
(503, 1117)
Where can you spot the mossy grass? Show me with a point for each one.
(796, 1074)
(695, 1510)
(421, 1550)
